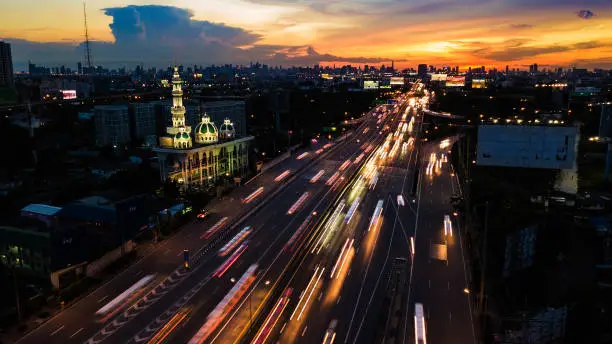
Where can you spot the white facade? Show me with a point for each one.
(553, 147)
(112, 125)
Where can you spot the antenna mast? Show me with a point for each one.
(87, 48)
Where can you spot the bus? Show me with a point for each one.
(419, 324)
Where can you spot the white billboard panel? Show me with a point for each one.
(397, 81)
(370, 85)
(438, 77)
(553, 147)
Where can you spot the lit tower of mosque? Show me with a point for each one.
(179, 132)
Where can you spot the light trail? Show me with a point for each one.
(123, 299)
(253, 195)
(344, 165)
(282, 176)
(303, 155)
(272, 319)
(222, 309)
(359, 158)
(311, 286)
(376, 216)
(329, 227)
(332, 179)
(230, 261)
(348, 244)
(236, 240)
(316, 177)
(215, 228)
(298, 203)
(298, 233)
(170, 326)
(352, 210)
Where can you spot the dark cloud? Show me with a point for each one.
(516, 50)
(520, 26)
(138, 24)
(585, 14)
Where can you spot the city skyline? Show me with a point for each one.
(281, 32)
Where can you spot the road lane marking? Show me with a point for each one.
(429, 283)
(77, 332)
(448, 285)
(179, 254)
(304, 332)
(58, 329)
(102, 299)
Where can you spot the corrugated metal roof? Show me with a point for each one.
(43, 209)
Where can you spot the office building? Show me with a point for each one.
(143, 119)
(235, 111)
(422, 70)
(112, 125)
(6, 65)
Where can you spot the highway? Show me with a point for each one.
(343, 281)
(362, 285)
(441, 284)
(172, 283)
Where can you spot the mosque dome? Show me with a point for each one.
(182, 139)
(206, 132)
(226, 130)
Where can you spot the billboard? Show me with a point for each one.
(370, 85)
(552, 147)
(455, 81)
(438, 77)
(69, 94)
(479, 83)
(397, 81)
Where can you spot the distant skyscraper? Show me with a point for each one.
(507, 69)
(79, 68)
(6, 65)
(112, 125)
(422, 69)
(535, 67)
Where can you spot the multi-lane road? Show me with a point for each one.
(333, 245)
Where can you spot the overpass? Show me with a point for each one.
(441, 114)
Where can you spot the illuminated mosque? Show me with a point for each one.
(202, 156)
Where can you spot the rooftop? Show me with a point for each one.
(42, 209)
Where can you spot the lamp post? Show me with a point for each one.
(483, 260)
(13, 263)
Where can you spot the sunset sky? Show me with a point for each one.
(305, 32)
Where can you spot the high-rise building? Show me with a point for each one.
(6, 65)
(507, 69)
(422, 69)
(234, 110)
(143, 115)
(112, 125)
(80, 68)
